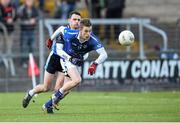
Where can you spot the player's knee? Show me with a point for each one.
(77, 80)
(46, 88)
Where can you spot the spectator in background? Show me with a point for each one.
(95, 8)
(114, 9)
(64, 7)
(7, 17)
(27, 14)
(41, 5)
(16, 3)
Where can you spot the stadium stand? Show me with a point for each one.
(165, 20)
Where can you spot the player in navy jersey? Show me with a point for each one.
(53, 62)
(71, 46)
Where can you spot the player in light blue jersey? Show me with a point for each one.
(53, 62)
(71, 46)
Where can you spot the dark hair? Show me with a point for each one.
(74, 12)
(85, 22)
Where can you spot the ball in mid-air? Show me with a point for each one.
(126, 38)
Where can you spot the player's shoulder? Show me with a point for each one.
(61, 28)
(94, 41)
(94, 38)
(70, 33)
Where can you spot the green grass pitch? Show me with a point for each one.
(95, 107)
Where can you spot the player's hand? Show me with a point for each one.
(92, 68)
(49, 43)
(76, 61)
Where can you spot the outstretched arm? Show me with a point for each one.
(102, 57)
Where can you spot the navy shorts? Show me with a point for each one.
(53, 64)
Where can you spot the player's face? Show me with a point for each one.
(85, 33)
(74, 21)
(29, 3)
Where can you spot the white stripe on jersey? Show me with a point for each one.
(72, 33)
(57, 32)
(94, 38)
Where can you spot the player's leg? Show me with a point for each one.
(59, 81)
(48, 77)
(66, 79)
(65, 66)
(50, 69)
(75, 80)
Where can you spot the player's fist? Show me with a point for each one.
(76, 61)
(92, 68)
(49, 43)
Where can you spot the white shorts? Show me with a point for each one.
(66, 65)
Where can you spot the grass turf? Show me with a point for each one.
(96, 107)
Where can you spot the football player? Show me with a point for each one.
(53, 62)
(71, 46)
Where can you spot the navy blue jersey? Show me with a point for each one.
(72, 45)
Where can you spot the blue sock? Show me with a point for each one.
(58, 94)
(48, 103)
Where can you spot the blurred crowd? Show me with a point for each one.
(25, 13)
(90, 8)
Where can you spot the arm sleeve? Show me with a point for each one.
(61, 52)
(102, 55)
(59, 30)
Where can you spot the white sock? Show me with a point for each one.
(61, 90)
(31, 92)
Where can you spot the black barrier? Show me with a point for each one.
(134, 69)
